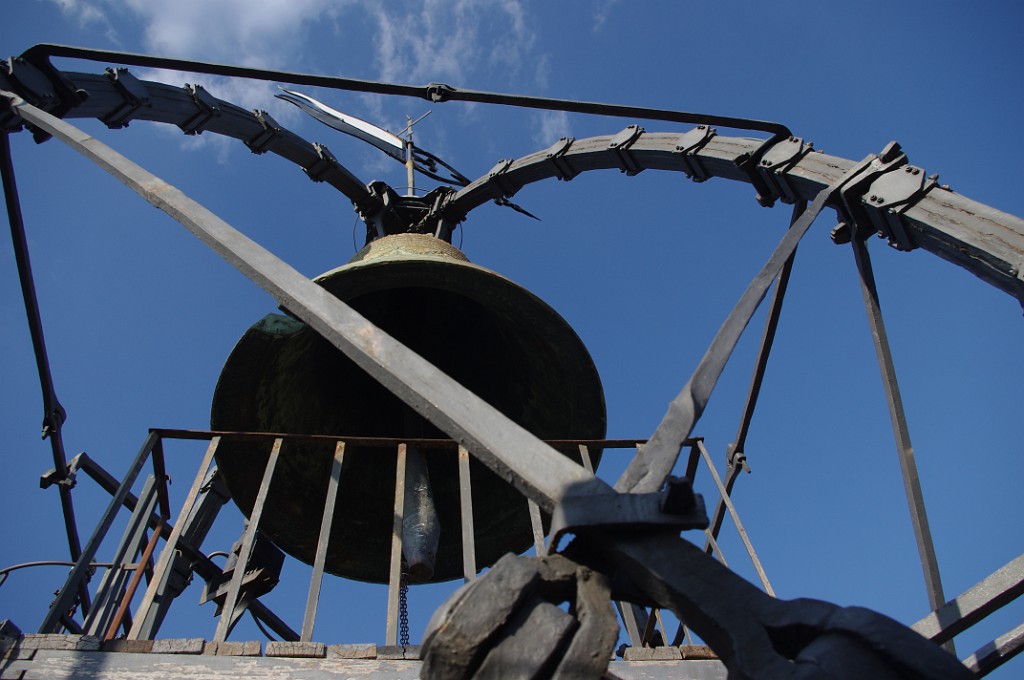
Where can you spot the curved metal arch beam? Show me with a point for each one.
(162, 103)
(987, 242)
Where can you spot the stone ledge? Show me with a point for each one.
(179, 646)
(305, 650)
(248, 648)
(129, 646)
(652, 654)
(364, 651)
(77, 643)
(399, 653)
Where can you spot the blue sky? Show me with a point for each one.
(139, 316)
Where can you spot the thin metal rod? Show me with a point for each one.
(648, 470)
(736, 519)
(395, 574)
(712, 547)
(433, 92)
(80, 571)
(129, 593)
(466, 507)
(171, 547)
(736, 455)
(54, 414)
(316, 580)
(113, 582)
(905, 450)
(767, 340)
(227, 614)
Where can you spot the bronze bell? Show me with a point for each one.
(493, 336)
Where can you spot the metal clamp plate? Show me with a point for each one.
(632, 511)
(620, 144)
(688, 144)
(207, 108)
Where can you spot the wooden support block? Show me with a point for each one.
(248, 648)
(363, 651)
(652, 654)
(305, 650)
(127, 646)
(697, 652)
(179, 646)
(77, 643)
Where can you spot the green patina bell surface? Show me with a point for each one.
(493, 336)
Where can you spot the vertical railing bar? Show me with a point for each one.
(588, 464)
(649, 627)
(466, 507)
(116, 576)
(692, 464)
(718, 516)
(126, 600)
(661, 624)
(160, 471)
(682, 634)
(538, 527)
(172, 541)
(65, 597)
(395, 575)
(316, 580)
(629, 620)
(904, 448)
(227, 614)
(736, 519)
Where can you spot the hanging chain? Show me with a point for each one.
(403, 611)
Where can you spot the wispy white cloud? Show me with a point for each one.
(257, 33)
(450, 39)
(551, 126)
(89, 15)
(456, 41)
(601, 12)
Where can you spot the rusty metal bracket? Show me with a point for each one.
(265, 139)
(207, 108)
(891, 195)
(556, 155)
(689, 144)
(777, 161)
(135, 97)
(620, 144)
(677, 508)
